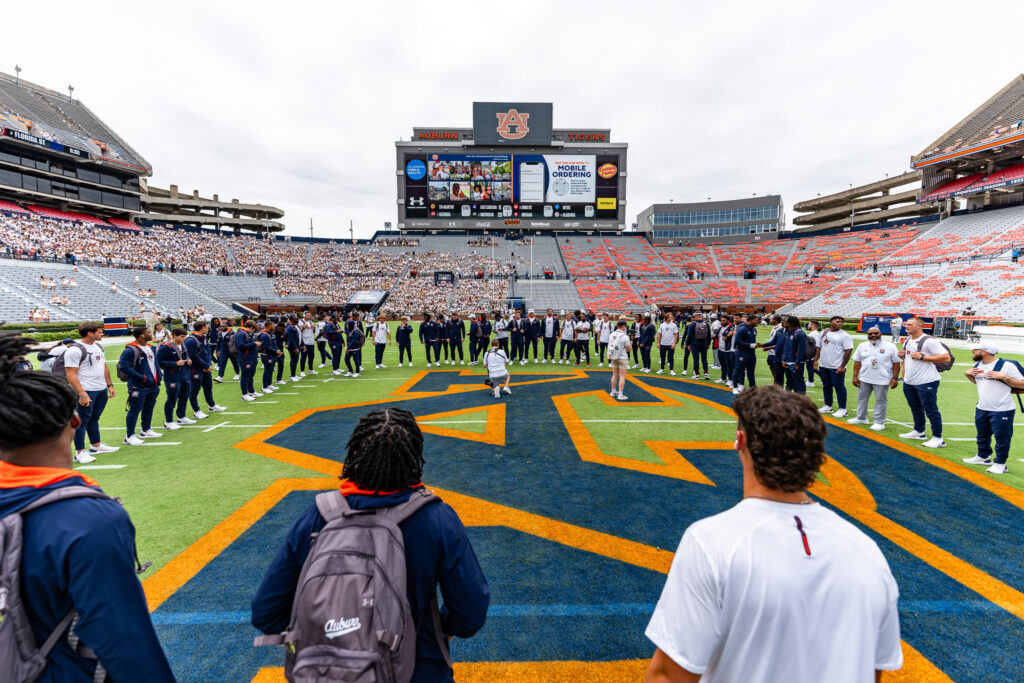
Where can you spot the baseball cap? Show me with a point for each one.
(530, 311)
(67, 340)
(987, 347)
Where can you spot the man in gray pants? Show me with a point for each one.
(876, 367)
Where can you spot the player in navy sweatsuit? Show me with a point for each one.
(293, 342)
(456, 330)
(201, 355)
(245, 342)
(428, 333)
(173, 362)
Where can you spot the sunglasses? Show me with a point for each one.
(874, 334)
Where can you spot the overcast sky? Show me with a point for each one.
(298, 104)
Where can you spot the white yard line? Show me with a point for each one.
(100, 467)
(165, 443)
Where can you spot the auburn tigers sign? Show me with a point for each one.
(512, 125)
(521, 123)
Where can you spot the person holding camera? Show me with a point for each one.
(619, 347)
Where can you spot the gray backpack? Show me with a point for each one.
(350, 618)
(941, 367)
(58, 367)
(20, 659)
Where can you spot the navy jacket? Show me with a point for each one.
(403, 335)
(456, 330)
(485, 328)
(167, 359)
(268, 345)
(213, 337)
(795, 349)
(292, 338)
(198, 350)
(437, 552)
(333, 335)
(745, 336)
(355, 339)
(474, 329)
(79, 553)
(139, 374)
(222, 342)
(690, 336)
(246, 344)
(647, 334)
(515, 328)
(428, 331)
(531, 328)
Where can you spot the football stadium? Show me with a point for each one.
(573, 491)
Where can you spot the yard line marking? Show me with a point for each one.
(100, 467)
(259, 401)
(244, 412)
(165, 443)
(286, 393)
(213, 427)
(715, 422)
(961, 439)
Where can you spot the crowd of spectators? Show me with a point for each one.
(397, 242)
(413, 296)
(467, 265)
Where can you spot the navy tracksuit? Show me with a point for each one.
(80, 552)
(143, 387)
(268, 355)
(199, 352)
(794, 355)
(531, 330)
(176, 380)
(247, 352)
(336, 341)
(726, 355)
(224, 353)
(437, 552)
(518, 337)
(456, 330)
(428, 334)
(474, 340)
(746, 361)
(293, 342)
(354, 354)
(403, 335)
(647, 333)
(698, 347)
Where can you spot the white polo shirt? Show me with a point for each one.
(90, 370)
(380, 333)
(994, 395)
(669, 334)
(568, 327)
(833, 347)
(583, 330)
(307, 332)
(876, 361)
(745, 602)
(921, 371)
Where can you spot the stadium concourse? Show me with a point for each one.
(930, 268)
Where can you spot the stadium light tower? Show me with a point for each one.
(17, 74)
(71, 93)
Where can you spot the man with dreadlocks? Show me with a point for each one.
(383, 469)
(77, 554)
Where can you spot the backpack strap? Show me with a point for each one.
(332, 505)
(63, 493)
(403, 511)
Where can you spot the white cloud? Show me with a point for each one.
(298, 104)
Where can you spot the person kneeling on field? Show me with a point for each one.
(776, 569)
(346, 592)
(996, 379)
(80, 609)
(497, 361)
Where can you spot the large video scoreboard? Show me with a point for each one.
(511, 171)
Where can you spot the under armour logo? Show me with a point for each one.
(510, 120)
(415, 201)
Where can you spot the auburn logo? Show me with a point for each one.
(512, 125)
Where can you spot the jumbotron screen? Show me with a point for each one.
(538, 186)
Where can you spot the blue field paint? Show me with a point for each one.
(551, 602)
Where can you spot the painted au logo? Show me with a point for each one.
(512, 125)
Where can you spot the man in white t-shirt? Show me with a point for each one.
(602, 334)
(583, 338)
(307, 336)
(896, 329)
(996, 379)
(619, 347)
(496, 361)
(381, 339)
(919, 354)
(876, 369)
(833, 353)
(716, 325)
(778, 587)
(86, 370)
(668, 335)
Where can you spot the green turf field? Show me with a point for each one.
(177, 493)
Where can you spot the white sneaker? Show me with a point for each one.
(534, 360)
(410, 364)
(914, 434)
(322, 365)
(978, 460)
(181, 421)
(248, 398)
(840, 413)
(347, 374)
(200, 415)
(256, 394)
(719, 381)
(737, 390)
(435, 365)
(522, 362)
(83, 457)
(377, 368)
(218, 380)
(134, 441)
(355, 374)
(878, 427)
(600, 365)
(295, 379)
(103, 448)
(269, 389)
(150, 434)
(361, 368)
(673, 373)
(613, 393)
(810, 384)
(383, 366)
(302, 374)
(934, 442)
(171, 426)
(312, 372)
(216, 408)
(715, 367)
(621, 397)
(728, 383)
(683, 373)
(647, 370)
(462, 362)
(238, 377)
(825, 409)
(497, 392)
(506, 390)
(399, 365)
(707, 376)
(997, 468)
(660, 372)
(857, 421)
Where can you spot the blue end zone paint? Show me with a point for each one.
(540, 472)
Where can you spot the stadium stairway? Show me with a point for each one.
(17, 279)
(123, 291)
(714, 262)
(789, 257)
(558, 295)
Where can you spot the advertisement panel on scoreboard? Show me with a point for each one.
(549, 186)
